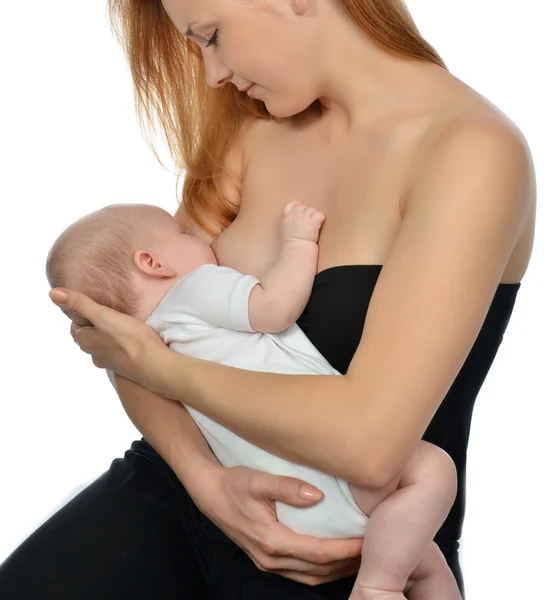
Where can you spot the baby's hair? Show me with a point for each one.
(95, 256)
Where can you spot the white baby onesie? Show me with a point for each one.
(206, 315)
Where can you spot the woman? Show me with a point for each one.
(430, 202)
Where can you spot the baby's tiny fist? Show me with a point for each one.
(289, 206)
(301, 221)
(320, 216)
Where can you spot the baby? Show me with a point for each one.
(137, 259)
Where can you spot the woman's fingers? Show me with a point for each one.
(73, 329)
(323, 551)
(80, 336)
(288, 490)
(319, 569)
(347, 569)
(75, 326)
(312, 549)
(77, 320)
(250, 521)
(79, 304)
(283, 542)
(321, 564)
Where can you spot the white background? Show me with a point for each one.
(70, 143)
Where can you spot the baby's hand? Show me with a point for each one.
(301, 222)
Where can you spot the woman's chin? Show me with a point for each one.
(286, 110)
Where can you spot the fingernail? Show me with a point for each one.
(309, 493)
(58, 295)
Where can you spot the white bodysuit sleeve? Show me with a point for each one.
(217, 295)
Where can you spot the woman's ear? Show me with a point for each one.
(151, 265)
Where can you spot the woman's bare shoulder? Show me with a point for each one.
(483, 131)
(476, 117)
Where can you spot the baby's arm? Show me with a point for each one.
(285, 288)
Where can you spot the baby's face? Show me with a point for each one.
(179, 250)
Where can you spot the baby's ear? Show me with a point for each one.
(149, 264)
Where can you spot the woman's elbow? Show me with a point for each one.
(366, 474)
(372, 464)
(369, 480)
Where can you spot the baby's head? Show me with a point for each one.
(125, 256)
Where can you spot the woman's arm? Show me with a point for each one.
(238, 500)
(165, 423)
(169, 429)
(461, 222)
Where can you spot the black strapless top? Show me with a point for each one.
(334, 319)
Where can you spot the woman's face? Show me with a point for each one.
(268, 44)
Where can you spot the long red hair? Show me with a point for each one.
(200, 123)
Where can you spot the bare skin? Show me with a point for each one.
(399, 556)
(398, 552)
(355, 196)
(356, 162)
(360, 180)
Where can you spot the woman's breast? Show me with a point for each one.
(358, 184)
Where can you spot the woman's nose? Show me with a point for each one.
(216, 73)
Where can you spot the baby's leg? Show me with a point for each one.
(404, 518)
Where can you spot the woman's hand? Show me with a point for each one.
(242, 505)
(115, 341)
(240, 501)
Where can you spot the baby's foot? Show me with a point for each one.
(432, 579)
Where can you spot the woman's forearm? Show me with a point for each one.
(169, 429)
(307, 419)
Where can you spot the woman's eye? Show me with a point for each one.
(213, 39)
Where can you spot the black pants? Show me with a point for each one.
(134, 534)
